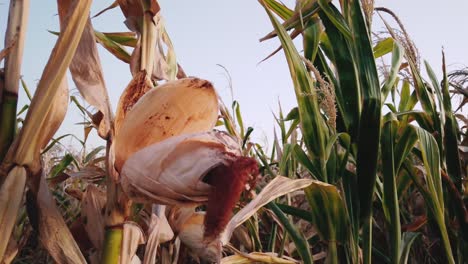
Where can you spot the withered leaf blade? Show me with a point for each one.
(159, 232)
(56, 114)
(177, 107)
(132, 237)
(86, 72)
(53, 231)
(11, 196)
(113, 5)
(27, 145)
(92, 209)
(134, 8)
(279, 186)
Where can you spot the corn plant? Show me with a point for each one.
(371, 172)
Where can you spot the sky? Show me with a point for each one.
(209, 33)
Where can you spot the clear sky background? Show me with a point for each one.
(206, 33)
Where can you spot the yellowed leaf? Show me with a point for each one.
(87, 74)
(26, 148)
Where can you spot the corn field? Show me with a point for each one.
(369, 167)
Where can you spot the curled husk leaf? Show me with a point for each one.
(178, 107)
(172, 171)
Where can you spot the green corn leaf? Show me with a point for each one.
(312, 121)
(91, 155)
(328, 215)
(335, 17)
(297, 237)
(311, 38)
(384, 47)
(404, 97)
(113, 47)
(408, 240)
(123, 38)
(280, 9)
(61, 166)
(303, 159)
(294, 211)
(348, 95)
(390, 195)
(434, 198)
(451, 134)
(397, 58)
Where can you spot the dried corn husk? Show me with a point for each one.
(178, 107)
(171, 172)
(139, 85)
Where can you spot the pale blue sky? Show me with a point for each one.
(206, 33)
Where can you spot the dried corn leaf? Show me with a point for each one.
(134, 8)
(92, 209)
(16, 33)
(11, 251)
(132, 237)
(47, 220)
(86, 70)
(56, 114)
(279, 186)
(139, 85)
(256, 257)
(11, 197)
(168, 172)
(150, 55)
(113, 5)
(159, 232)
(26, 146)
(177, 107)
(89, 174)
